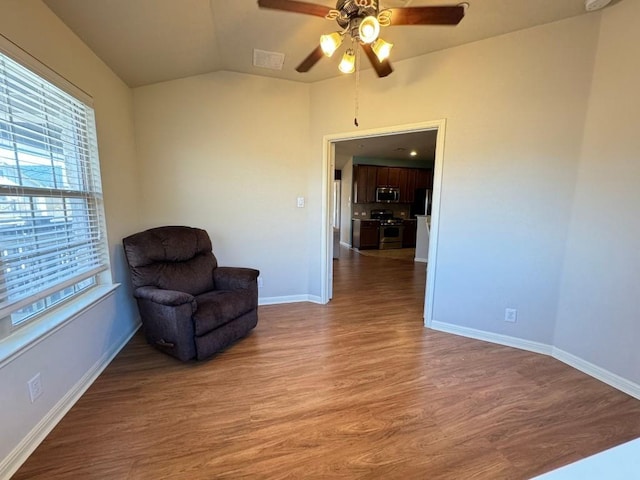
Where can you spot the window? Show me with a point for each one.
(52, 235)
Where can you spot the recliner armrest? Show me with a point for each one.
(234, 278)
(171, 298)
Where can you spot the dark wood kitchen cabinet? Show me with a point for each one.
(365, 234)
(407, 185)
(388, 176)
(366, 178)
(364, 183)
(394, 176)
(424, 179)
(409, 233)
(382, 176)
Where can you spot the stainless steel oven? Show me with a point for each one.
(390, 236)
(391, 229)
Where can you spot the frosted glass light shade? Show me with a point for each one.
(369, 29)
(330, 43)
(348, 63)
(382, 49)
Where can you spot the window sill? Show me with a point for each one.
(24, 338)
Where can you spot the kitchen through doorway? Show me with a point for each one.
(390, 208)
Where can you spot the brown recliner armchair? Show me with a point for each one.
(190, 307)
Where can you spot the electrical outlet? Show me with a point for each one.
(300, 202)
(35, 387)
(260, 284)
(510, 315)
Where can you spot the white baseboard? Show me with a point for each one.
(498, 338)
(288, 299)
(27, 446)
(345, 244)
(616, 381)
(420, 260)
(611, 379)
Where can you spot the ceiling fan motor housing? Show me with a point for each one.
(352, 12)
(351, 9)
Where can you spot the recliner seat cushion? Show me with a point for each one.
(219, 307)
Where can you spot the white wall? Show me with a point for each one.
(229, 153)
(515, 108)
(599, 309)
(345, 200)
(69, 355)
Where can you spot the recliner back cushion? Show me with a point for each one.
(171, 258)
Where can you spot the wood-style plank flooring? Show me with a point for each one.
(357, 389)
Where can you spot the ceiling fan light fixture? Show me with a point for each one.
(348, 63)
(330, 43)
(382, 49)
(362, 21)
(369, 29)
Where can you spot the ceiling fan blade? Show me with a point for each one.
(382, 68)
(427, 15)
(297, 7)
(311, 60)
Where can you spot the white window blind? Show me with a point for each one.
(52, 235)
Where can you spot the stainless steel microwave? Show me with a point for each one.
(387, 195)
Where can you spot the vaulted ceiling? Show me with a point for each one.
(150, 41)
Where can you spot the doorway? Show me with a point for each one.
(329, 162)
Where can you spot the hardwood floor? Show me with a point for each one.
(357, 389)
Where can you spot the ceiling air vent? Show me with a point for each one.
(270, 60)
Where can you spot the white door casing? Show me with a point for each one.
(328, 166)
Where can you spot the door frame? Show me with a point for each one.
(328, 166)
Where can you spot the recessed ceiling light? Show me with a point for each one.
(413, 153)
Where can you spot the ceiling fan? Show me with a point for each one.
(361, 21)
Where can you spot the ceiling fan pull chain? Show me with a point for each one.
(357, 106)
